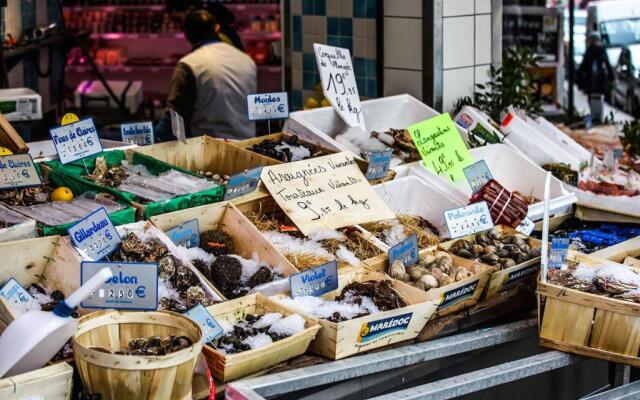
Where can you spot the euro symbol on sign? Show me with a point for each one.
(483, 219)
(141, 292)
(281, 108)
(25, 173)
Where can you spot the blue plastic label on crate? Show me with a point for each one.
(268, 106)
(468, 220)
(186, 235)
(405, 251)
(242, 183)
(378, 165)
(526, 226)
(210, 327)
(139, 133)
(478, 175)
(95, 235)
(559, 252)
(76, 141)
(133, 286)
(18, 171)
(14, 294)
(315, 281)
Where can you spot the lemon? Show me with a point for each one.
(311, 103)
(5, 152)
(62, 194)
(325, 103)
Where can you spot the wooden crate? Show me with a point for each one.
(52, 383)
(11, 139)
(522, 275)
(618, 253)
(228, 367)
(450, 298)
(205, 153)
(363, 165)
(50, 262)
(588, 324)
(225, 216)
(343, 339)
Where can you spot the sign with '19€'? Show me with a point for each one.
(339, 83)
(76, 141)
(95, 235)
(133, 286)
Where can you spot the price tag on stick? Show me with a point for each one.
(339, 83)
(133, 286)
(18, 171)
(140, 133)
(268, 106)
(526, 226)
(315, 281)
(187, 234)
(211, 329)
(95, 235)
(405, 251)
(76, 140)
(559, 252)
(242, 183)
(468, 220)
(378, 167)
(441, 146)
(478, 175)
(177, 126)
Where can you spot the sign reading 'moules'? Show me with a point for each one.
(76, 141)
(324, 192)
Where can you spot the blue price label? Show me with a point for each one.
(315, 281)
(133, 286)
(95, 235)
(378, 165)
(14, 294)
(468, 220)
(267, 106)
(140, 133)
(210, 327)
(478, 175)
(18, 171)
(187, 234)
(559, 252)
(76, 141)
(242, 183)
(405, 251)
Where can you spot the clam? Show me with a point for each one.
(428, 282)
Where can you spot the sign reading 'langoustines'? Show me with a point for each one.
(324, 192)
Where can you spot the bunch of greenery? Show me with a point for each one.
(631, 137)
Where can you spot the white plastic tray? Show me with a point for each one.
(560, 138)
(322, 125)
(412, 195)
(512, 170)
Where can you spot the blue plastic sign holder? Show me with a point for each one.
(468, 220)
(242, 183)
(211, 330)
(76, 141)
(186, 235)
(478, 175)
(315, 281)
(133, 286)
(378, 165)
(405, 251)
(559, 252)
(139, 133)
(267, 106)
(13, 293)
(18, 171)
(95, 235)
(526, 226)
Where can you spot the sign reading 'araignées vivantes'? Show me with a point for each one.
(324, 192)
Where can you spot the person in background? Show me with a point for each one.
(210, 85)
(594, 75)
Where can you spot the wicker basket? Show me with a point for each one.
(124, 377)
(227, 367)
(588, 324)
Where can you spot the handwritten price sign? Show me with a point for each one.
(339, 83)
(324, 192)
(441, 146)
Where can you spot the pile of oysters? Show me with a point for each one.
(496, 249)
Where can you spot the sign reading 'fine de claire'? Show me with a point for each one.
(76, 141)
(95, 235)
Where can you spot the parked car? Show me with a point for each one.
(625, 89)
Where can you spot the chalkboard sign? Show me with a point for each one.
(535, 31)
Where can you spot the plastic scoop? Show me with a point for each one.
(545, 230)
(31, 340)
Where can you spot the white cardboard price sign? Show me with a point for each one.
(139, 133)
(468, 220)
(76, 141)
(339, 83)
(18, 170)
(95, 235)
(268, 106)
(324, 192)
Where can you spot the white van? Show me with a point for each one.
(618, 23)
